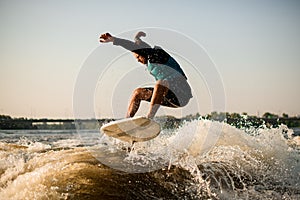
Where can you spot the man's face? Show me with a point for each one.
(140, 58)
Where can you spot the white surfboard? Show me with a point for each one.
(136, 129)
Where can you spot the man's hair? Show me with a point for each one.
(143, 52)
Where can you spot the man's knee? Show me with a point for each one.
(141, 93)
(137, 92)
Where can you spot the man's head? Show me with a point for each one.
(142, 55)
(140, 58)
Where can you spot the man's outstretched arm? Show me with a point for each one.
(127, 44)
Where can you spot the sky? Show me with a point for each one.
(254, 45)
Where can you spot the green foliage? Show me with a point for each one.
(268, 115)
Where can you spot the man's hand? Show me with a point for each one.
(106, 37)
(139, 34)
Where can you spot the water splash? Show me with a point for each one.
(240, 165)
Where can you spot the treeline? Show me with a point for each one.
(7, 122)
(247, 121)
(235, 119)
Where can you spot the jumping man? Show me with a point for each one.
(171, 88)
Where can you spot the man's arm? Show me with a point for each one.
(127, 44)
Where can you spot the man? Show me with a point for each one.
(171, 88)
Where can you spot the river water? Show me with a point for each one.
(194, 161)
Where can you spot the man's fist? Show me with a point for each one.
(139, 34)
(106, 37)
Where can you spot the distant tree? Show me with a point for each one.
(235, 115)
(5, 117)
(268, 115)
(284, 115)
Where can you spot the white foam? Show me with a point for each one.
(224, 161)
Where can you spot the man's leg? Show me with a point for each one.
(138, 95)
(160, 91)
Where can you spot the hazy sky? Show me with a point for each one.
(254, 44)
